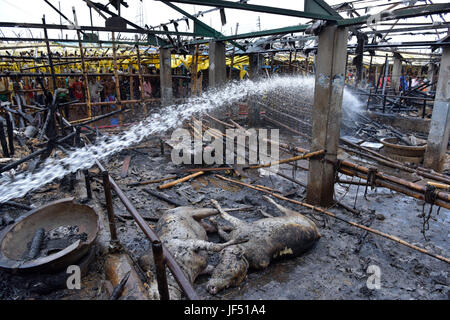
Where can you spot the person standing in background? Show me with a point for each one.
(4, 89)
(70, 82)
(77, 87)
(403, 83)
(95, 87)
(147, 88)
(109, 87)
(414, 82)
(136, 88)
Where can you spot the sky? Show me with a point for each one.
(155, 13)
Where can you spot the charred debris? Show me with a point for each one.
(360, 178)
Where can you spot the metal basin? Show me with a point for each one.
(392, 147)
(14, 239)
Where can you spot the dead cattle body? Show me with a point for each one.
(182, 234)
(146, 154)
(269, 238)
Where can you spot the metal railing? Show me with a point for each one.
(163, 256)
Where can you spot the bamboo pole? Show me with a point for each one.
(104, 103)
(66, 74)
(116, 76)
(296, 158)
(219, 121)
(143, 183)
(384, 180)
(286, 127)
(208, 169)
(194, 72)
(237, 125)
(330, 214)
(130, 68)
(405, 183)
(216, 133)
(392, 163)
(390, 182)
(200, 84)
(141, 80)
(173, 183)
(396, 184)
(85, 76)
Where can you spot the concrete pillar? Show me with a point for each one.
(438, 136)
(326, 114)
(217, 77)
(165, 72)
(375, 77)
(396, 74)
(358, 61)
(432, 72)
(254, 68)
(254, 109)
(217, 64)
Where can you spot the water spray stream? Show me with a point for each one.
(167, 118)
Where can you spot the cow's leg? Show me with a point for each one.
(201, 213)
(234, 221)
(197, 245)
(208, 270)
(286, 211)
(208, 226)
(224, 235)
(227, 228)
(265, 214)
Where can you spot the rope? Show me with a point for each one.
(371, 180)
(337, 165)
(430, 197)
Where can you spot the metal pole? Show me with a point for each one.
(9, 131)
(60, 18)
(368, 98)
(83, 65)
(386, 71)
(161, 276)
(131, 86)
(290, 62)
(109, 205)
(232, 57)
(49, 54)
(116, 76)
(87, 180)
(424, 110)
(3, 141)
(174, 268)
(370, 70)
(161, 145)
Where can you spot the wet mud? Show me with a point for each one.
(335, 268)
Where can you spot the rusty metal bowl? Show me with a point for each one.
(14, 238)
(391, 146)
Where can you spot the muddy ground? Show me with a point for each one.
(336, 268)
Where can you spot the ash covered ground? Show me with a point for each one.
(336, 268)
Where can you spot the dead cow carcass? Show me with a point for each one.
(268, 238)
(185, 238)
